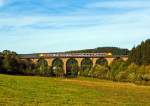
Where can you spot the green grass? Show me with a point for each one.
(40, 91)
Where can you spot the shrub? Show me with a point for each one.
(132, 72)
(41, 67)
(128, 75)
(122, 76)
(116, 67)
(58, 71)
(144, 73)
(100, 72)
(1, 62)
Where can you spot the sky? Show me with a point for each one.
(40, 26)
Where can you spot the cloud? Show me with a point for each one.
(82, 27)
(40, 7)
(73, 21)
(120, 4)
(45, 22)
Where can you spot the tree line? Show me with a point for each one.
(140, 55)
(10, 63)
(113, 50)
(135, 70)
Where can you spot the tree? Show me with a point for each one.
(27, 67)
(11, 64)
(8, 52)
(42, 67)
(129, 74)
(72, 68)
(140, 54)
(116, 67)
(100, 71)
(102, 61)
(143, 73)
(57, 67)
(1, 62)
(146, 52)
(86, 66)
(113, 50)
(58, 71)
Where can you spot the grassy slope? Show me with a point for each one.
(22, 90)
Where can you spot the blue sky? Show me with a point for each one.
(30, 26)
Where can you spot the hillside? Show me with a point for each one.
(41, 91)
(113, 50)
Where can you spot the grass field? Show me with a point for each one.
(40, 91)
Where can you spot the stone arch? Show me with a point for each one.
(72, 67)
(57, 67)
(86, 66)
(102, 61)
(58, 62)
(86, 62)
(42, 60)
(41, 67)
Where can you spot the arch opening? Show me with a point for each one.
(102, 61)
(86, 66)
(72, 68)
(57, 67)
(42, 67)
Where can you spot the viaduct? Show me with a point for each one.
(64, 57)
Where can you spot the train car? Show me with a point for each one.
(74, 54)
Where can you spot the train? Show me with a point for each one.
(75, 54)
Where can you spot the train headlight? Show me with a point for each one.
(110, 54)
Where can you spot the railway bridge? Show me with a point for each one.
(79, 57)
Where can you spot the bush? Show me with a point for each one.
(41, 67)
(122, 76)
(116, 67)
(132, 72)
(58, 71)
(85, 73)
(11, 64)
(99, 72)
(1, 62)
(143, 73)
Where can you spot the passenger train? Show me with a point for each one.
(75, 54)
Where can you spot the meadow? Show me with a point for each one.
(45, 91)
